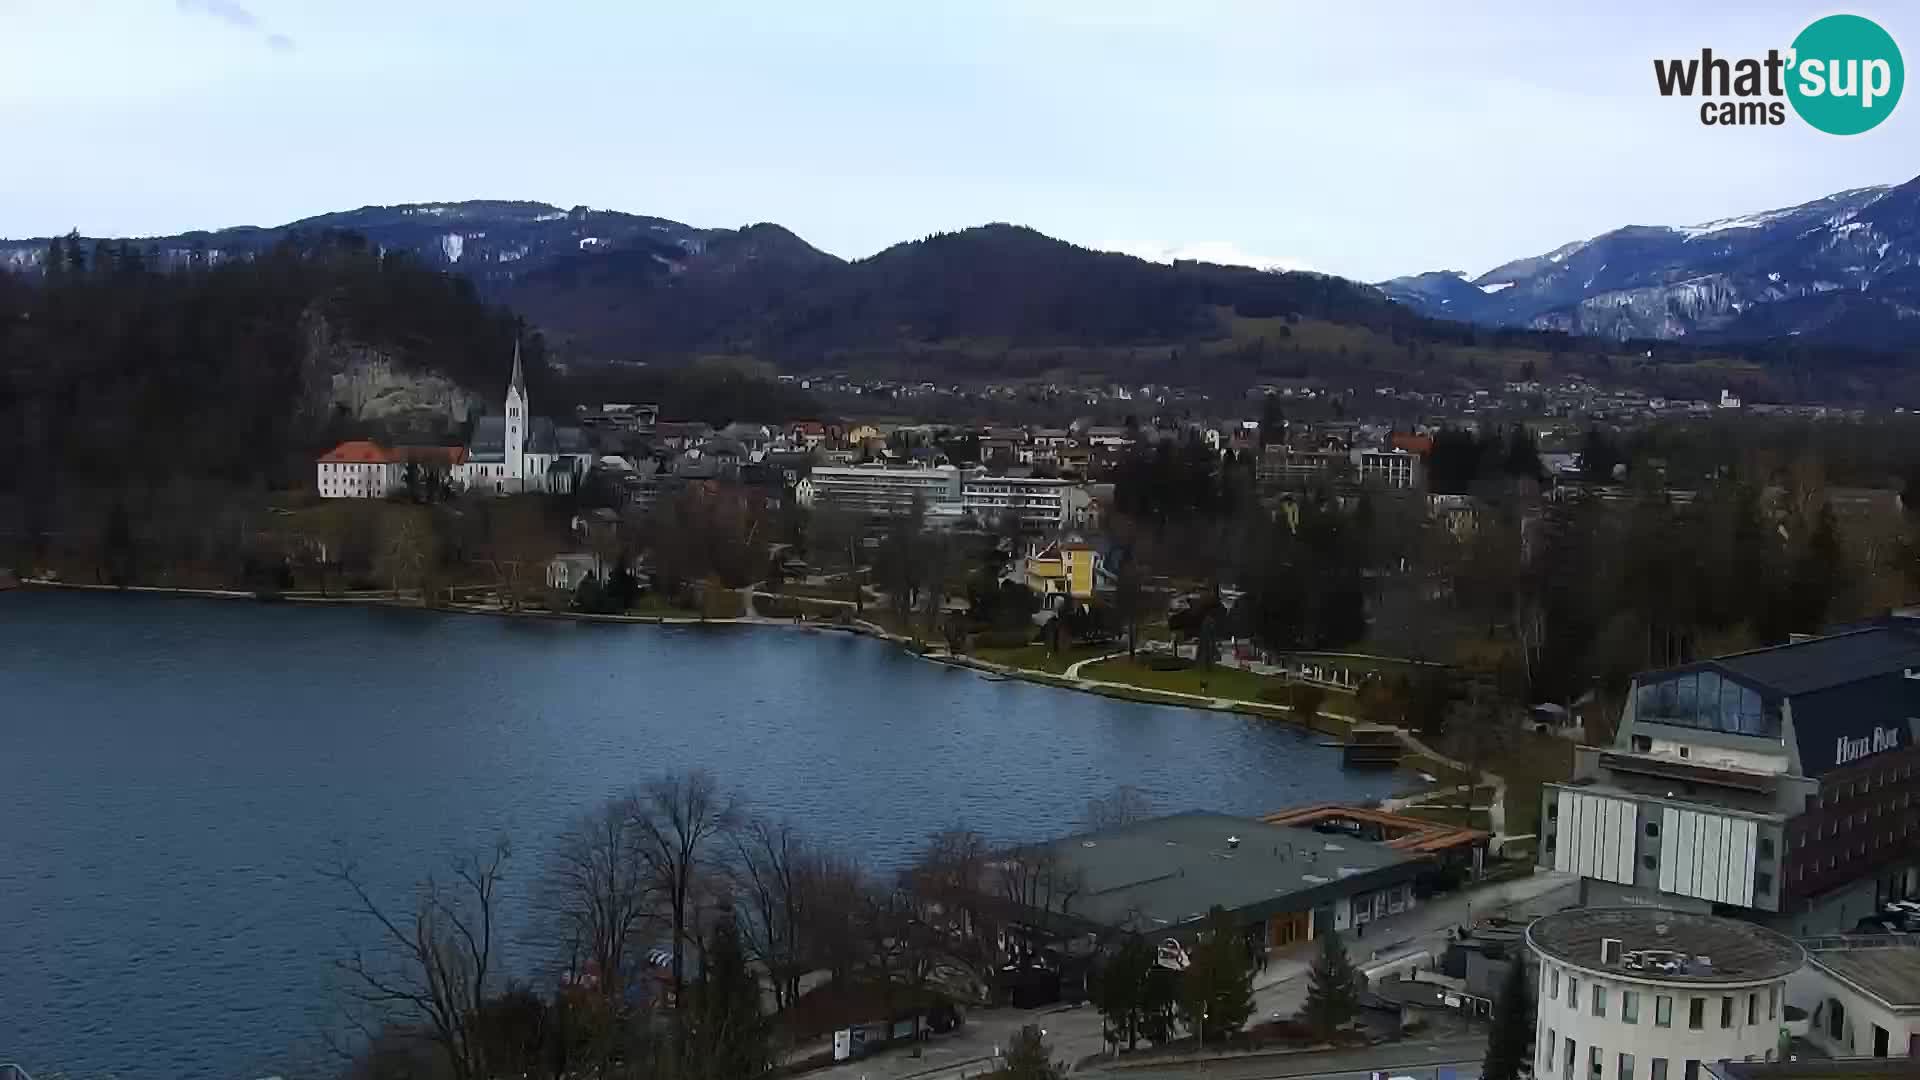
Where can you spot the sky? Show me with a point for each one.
(1361, 139)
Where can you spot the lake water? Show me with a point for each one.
(174, 773)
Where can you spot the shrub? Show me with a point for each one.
(1168, 663)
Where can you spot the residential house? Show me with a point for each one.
(1061, 570)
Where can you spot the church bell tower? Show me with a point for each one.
(517, 419)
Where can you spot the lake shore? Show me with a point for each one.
(1445, 772)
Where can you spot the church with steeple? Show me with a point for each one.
(516, 451)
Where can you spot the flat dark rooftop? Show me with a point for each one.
(1162, 872)
(1888, 967)
(1825, 662)
(1738, 951)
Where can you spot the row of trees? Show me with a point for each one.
(671, 932)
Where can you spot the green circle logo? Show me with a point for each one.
(1846, 74)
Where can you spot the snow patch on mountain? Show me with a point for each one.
(1496, 287)
(452, 245)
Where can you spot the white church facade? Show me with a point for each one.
(507, 454)
(519, 452)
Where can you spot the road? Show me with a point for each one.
(1418, 1060)
(1073, 1034)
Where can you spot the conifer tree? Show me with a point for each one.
(1333, 988)
(1510, 1041)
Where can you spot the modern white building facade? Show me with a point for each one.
(1862, 995)
(1778, 781)
(944, 490)
(1651, 994)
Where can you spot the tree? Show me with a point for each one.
(1124, 805)
(431, 971)
(725, 1035)
(1026, 1058)
(1121, 991)
(405, 546)
(1333, 989)
(1133, 602)
(833, 538)
(773, 881)
(678, 818)
(596, 896)
(1216, 990)
(1510, 1040)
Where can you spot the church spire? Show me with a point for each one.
(519, 382)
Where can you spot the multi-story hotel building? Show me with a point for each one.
(1776, 784)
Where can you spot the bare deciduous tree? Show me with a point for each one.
(430, 970)
(773, 871)
(1032, 877)
(679, 818)
(596, 896)
(1124, 805)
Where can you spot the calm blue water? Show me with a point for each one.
(173, 774)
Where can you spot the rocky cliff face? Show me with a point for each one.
(367, 385)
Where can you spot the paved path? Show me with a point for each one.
(1420, 1060)
(1074, 1033)
(1073, 669)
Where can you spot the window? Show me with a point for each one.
(1726, 1010)
(1662, 1011)
(1766, 847)
(1630, 1006)
(1553, 1039)
(1599, 1000)
(1650, 862)
(1696, 1013)
(1573, 992)
(1753, 1008)
(1763, 882)
(1553, 982)
(1657, 1069)
(1642, 744)
(1691, 1071)
(1773, 1002)
(1626, 1067)
(1593, 1062)
(1566, 1061)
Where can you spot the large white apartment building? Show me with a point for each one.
(944, 490)
(876, 489)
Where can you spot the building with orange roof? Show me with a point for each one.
(363, 469)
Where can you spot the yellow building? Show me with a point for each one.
(1063, 570)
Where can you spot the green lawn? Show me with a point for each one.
(1527, 761)
(1221, 682)
(1036, 657)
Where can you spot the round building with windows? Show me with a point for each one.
(1650, 994)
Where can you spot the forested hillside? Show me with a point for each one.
(120, 384)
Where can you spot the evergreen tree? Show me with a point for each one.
(1216, 991)
(1333, 988)
(725, 1035)
(1157, 1006)
(1122, 990)
(1510, 1041)
(1026, 1058)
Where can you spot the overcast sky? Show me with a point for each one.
(1365, 139)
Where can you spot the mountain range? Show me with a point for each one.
(1843, 269)
(623, 287)
(1002, 299)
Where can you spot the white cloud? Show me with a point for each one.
(1225, 252)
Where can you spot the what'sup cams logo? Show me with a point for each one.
(1842, 75)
